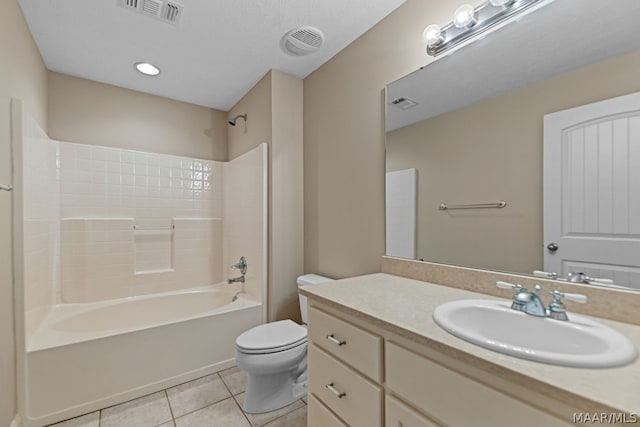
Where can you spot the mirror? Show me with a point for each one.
(469, 128)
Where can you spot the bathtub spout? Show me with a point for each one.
(237, 295)
(236, 279)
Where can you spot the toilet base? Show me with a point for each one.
(260, 396)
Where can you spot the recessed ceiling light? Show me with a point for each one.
(147, 69)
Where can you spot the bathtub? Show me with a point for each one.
(84, 357)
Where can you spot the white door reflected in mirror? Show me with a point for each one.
(592, 191)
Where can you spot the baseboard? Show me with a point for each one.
(17, 422)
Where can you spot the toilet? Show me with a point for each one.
(274, 355)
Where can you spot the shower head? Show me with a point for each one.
(232, 122)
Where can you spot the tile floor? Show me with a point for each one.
(214, 400)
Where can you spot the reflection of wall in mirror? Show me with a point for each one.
(492, 151)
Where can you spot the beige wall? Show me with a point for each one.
(256, 104)
(274, 115)
(489, 151)
(94, 113)
(22, 75)
(286, 243)
(344, 140)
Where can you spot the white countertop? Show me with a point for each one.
(407, 304)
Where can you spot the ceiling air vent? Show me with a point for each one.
(162, 10)
(152, 7)
(302, 41)
(172, 12)
(130, 3)
(404, 103)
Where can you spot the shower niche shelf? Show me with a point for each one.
(153, 247)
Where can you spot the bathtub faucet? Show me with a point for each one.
(236, 279)
(241, 265)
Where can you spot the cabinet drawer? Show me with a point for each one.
(360, 402)
(319, 416)
(354, 346)
(400, 415)
(453, 399)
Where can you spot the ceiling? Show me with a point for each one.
(216, 52)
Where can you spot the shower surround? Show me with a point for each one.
(106, 227)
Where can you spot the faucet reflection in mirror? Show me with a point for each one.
(470, 23)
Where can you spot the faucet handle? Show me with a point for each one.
(557, 295)
(507, 285)
(545, 274)
(241, 265)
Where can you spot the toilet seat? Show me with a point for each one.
(271, 337)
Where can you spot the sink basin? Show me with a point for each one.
(579, 342)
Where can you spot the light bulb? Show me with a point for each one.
(464, 16)
(147, 69)
(432, 35)
(501, 2)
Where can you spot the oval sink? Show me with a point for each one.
(579, 342)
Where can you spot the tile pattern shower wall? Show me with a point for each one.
(100, 182)
(103, 223)
(135, 223)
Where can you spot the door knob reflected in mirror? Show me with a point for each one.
(552, 247)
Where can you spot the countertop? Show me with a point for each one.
(405, 306)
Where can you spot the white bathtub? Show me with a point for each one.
(88, 356)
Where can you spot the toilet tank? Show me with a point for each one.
(309, 279)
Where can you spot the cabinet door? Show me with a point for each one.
(352, 397)
(352, 345)
(455, 400)
(319, 415)
(400, 415)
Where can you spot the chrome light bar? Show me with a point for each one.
(469, 23)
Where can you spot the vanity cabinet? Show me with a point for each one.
(362, 375)
(352, 345)
(452, 398)
(345, 371)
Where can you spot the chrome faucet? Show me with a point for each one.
(242, 266)
(530, 302)
(524, 300)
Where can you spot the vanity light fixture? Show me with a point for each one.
(469, 23)
(465, 16)
(147, 68)
(432, 35)
(501, 2)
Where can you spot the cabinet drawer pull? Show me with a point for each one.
(339, 394)
(335, 340)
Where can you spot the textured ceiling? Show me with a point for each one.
(216, 53)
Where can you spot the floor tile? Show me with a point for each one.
(297, 418)
(147, 411)
(258, 420)
(235, 379)
(222, 414)
(89, 420)
(196, 394)
(167, 424)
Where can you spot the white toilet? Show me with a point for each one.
(275, 357)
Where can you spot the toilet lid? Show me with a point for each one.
(272, 336)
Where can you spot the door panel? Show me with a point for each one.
(592, 190)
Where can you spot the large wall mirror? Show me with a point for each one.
(543, 115)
